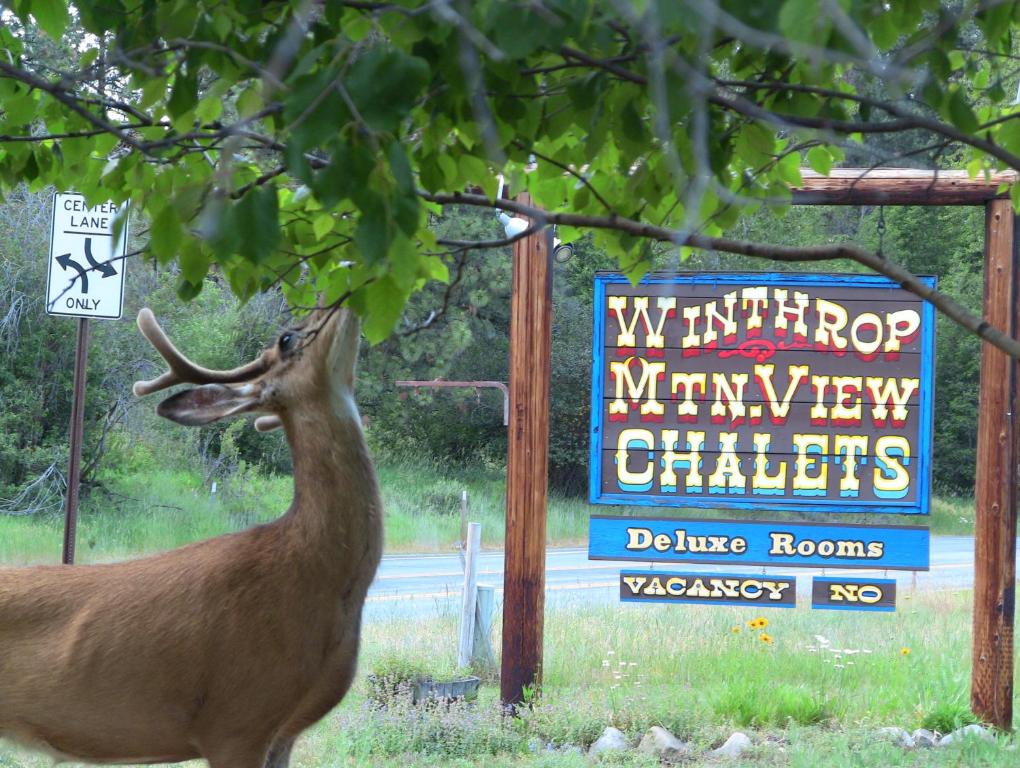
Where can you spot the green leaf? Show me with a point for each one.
(184, 95)
(176, 19)
(165, 236)
(582, 197)
(1008, 135)
(760, 138)
(322, 225)
(960, 112)
(884, 30)
(258, 228)
(152, 91)
(516, 30)
(19, 110)
(805, 21)
(473, 170)
(349, 171)
(250, 101)
(194, 264)
(315, 109)
(372, 234)
(433, 268)
(1014, 195)
(384, 84)
(789, 169)
(405, 212)
(400, 168)
(632, 125)
(819, 160)
(385, 302)
(187, 291)
(209, 109)
(51, 16)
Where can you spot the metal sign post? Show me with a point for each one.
(85, 279)
(77, 433)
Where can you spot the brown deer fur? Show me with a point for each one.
(226, 649)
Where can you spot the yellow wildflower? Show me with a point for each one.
(735, 629)
(765, 638)
(759, 623)
(904, 651)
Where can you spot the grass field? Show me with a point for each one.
(155, 511)
(814, 696)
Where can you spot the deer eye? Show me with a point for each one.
(287, 341)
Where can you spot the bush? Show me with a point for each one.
(763, 705)
(947, 716)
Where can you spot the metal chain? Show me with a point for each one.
(881, 231)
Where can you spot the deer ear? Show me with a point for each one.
(343, 353)
(208, 403)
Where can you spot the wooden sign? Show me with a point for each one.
(764, 391)
(844, 594)
(708, 589)
(758, 542)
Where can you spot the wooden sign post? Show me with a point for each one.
(527, 465)
(995, 484)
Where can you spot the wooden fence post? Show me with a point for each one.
(467, 614)
(527, 465)
(482, 656)
(995, 484)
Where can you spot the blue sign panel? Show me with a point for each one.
(734, 542)
(802, 392)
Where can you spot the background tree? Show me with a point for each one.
(305, 144)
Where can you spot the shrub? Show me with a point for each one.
(947, 716)
(761, 705)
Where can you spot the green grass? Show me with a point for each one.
(821, 688)
(149, 511)
(813, 697)
(143, 513)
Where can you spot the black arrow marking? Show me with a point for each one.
(105, 268)
(66, 261)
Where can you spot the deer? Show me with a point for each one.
(225, 649)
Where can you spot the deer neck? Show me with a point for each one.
(337, 512)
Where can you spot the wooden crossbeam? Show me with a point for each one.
(900, 186)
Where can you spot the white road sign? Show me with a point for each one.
(86, 268)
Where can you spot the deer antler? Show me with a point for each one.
(182, 370)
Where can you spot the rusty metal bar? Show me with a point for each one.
(443, 383)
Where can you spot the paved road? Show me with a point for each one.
(420, 586)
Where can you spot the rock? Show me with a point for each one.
(897, 736)
(563, 749)
(735, 746)
(923, 738)
(972, 731)
(534, 745)
(664, 745)
(611, 740)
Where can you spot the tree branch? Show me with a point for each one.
(786, 253)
